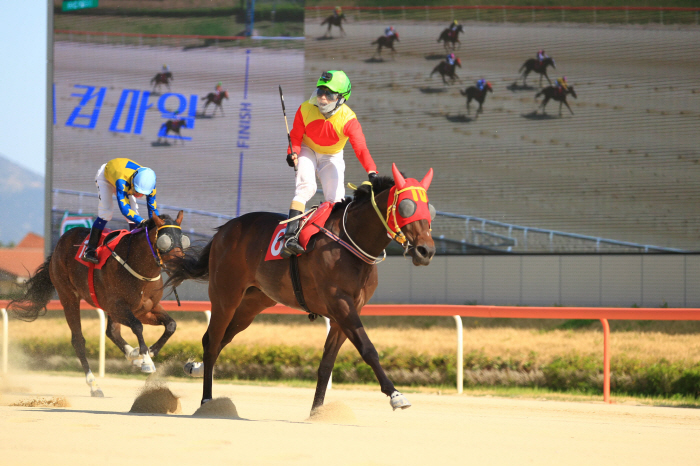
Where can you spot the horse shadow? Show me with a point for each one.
(432, 90)
(435, 56)
(374, 60)
(459, 118)
(203, 116)
(325, 38)
(160, 144)
(539, 116)
(515, 87)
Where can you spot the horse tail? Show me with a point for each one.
(36, 293)
(375, 42)
(325, 21)
(193, 266)
(539, 94)
(523, 67)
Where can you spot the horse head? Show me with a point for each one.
(488, 87)
(411, 214)
(396, 34)
(169, 240)
(572, 92)
(458, 62)
(549, 61)
(225, 94)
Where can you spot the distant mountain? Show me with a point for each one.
(21, 202)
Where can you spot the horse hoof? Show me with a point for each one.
(194, 369)
(148, 368)
(399, 401)
(137, 362)
(97, 393)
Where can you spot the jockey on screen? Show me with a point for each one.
(451, 59)
(541, 55)
(322, 127)
(388, 32)
(561, 84)
(337, 12)
(453, 26)
(166, 68)
(218, 90)
(128, 180)
(481, 84)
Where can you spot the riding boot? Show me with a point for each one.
(290, 239)
(90, 254)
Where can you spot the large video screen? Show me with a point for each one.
(615, 171)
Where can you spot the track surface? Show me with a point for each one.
(625, 166)
(274, 430)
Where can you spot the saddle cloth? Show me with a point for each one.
(108, 237)
(319, 217)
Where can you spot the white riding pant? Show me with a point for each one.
(105, 194)
(330, 169)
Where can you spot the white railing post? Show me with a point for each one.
(207, 314)
(328, 330)
(103, 330)
(5, 343)
(460, 355)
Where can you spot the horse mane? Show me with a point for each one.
(363, 193)
(165, 217)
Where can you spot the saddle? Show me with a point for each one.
(108, 241)
(310, 222)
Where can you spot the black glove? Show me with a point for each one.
(142, 224)
(372, 176)
(290, 160)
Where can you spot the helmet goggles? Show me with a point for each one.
(330, 95)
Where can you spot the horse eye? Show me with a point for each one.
(185, 242)
(164, 243)
(407, 208)
(433, 212)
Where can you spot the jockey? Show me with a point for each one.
(166, 68)
(561, 84)
(541, 55)
(218, 89)
(322, 126)
(337, 12)
(481, 84)
(388, 32)
(128, 180)
(450, 60)
(453, 26)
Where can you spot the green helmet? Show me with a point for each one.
(336, 81)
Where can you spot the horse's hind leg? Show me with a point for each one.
(342, 31)
(71, 309)
(469, 99)
(334, 341)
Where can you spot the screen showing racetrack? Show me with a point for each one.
(525, 161)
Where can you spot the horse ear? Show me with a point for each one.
(178, 220)
(159, 222)
(399, 180)
(427, 179)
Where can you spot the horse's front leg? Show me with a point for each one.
(567, 106)
(349, 321)
(334, 341)
(125, 316)
(158, 316)
(114, 333)
(342, 31)
(548, 80)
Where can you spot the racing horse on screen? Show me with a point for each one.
(160, 79)
(538, 67)
(337, 277)
(126, 284)
(557, 94)
(216, 99)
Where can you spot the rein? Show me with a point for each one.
(155, 252)
(395, 234)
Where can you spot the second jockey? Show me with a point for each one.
(561, 85)
(322, 127)
(451, 59)
(218, 89)
(481, 84)
(389, 31)
(128, 180)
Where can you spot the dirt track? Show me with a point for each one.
(625, 166)
(273, 430)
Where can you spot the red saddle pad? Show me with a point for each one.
(103, 252)
(318, 217)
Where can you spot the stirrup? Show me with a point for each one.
(292, 247)
(91, 256)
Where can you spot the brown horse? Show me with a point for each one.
(473, 93)
(445, 69)
(334, 20)
(160, 79)
(557, 94)
(534, 65)
(129, 292)
(337, 280)
(216, 99)
(451, 38)
(174, 126)
(388, 42)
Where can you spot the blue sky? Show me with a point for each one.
(23, 83)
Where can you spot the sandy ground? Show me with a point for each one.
(360, 429)
(624, 166)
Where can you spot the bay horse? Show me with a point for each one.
(216, 99)
(451, 38)
(388, 42)
(445, 69)
(473, 93)
(174, 126)
(556, 94)
(534, 64)
(334, 20)
(160, 79)
(128, 293)
(337, 280)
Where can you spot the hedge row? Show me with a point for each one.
(571, 372)
(263, 13)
